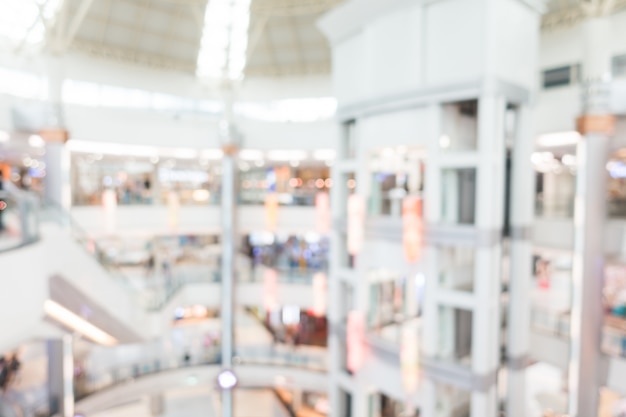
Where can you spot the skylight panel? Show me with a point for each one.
(224, 39)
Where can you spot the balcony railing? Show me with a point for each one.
(271, 355)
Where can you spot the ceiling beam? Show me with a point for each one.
(76, 22)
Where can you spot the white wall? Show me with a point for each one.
(404, 128)
(455, 35)
(140, 127)
(515, 42)
(153, 220)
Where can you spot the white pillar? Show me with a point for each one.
(521, 215)
(596, 125)
(488, 221)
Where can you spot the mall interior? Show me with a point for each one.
(308, 208)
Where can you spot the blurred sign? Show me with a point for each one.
(319, 294)
(409, 358)
(322, 213)
(270, 289)
(356, 223)
(355, 341)
(412, 229)
(271, 211)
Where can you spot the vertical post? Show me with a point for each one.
(489, 221)
(229, 218)
(61, 376)
(596, 125)
(521, 203)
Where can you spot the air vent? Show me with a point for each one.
(561, 76)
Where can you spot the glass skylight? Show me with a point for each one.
(224, 39)
(22, 23)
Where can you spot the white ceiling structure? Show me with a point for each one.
(283, 39)
(569, 12)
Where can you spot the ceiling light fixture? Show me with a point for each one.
(69, 319)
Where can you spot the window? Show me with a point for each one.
(619, 66)
(561, 76)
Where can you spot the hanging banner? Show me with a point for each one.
(270, 289)
(356, 223)
(409, 358)
(271, 211)
(109, 206)
(322, 213)
(355, 341)
(319, 294)
(412, 228)
(173, 210)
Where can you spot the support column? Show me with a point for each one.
(488, 222)
(61, 376)
(229, 239)
(596, 125)
(521, 206)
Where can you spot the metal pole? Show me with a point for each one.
(228, 213)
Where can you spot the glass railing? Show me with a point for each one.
(204, 274)
(616, 208)
(555, 323)
(274, 355)
(57, 214)
(19, 219)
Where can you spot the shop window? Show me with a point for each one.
(458, 196)
(459, 126)
(456, 268)
(455, 335)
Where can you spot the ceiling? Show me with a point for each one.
(568, 12)
(283, 39)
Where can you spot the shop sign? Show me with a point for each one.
(355, 341)
(356, 223)
(319, 294)
(322, 213)
(271, 211)
(270, 289)
(412, 228)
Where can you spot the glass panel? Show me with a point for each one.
(452, 402)
(459, 126)
(455, 335)
(456, 268)
(458, 196)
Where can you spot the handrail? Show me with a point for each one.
(272, 356)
